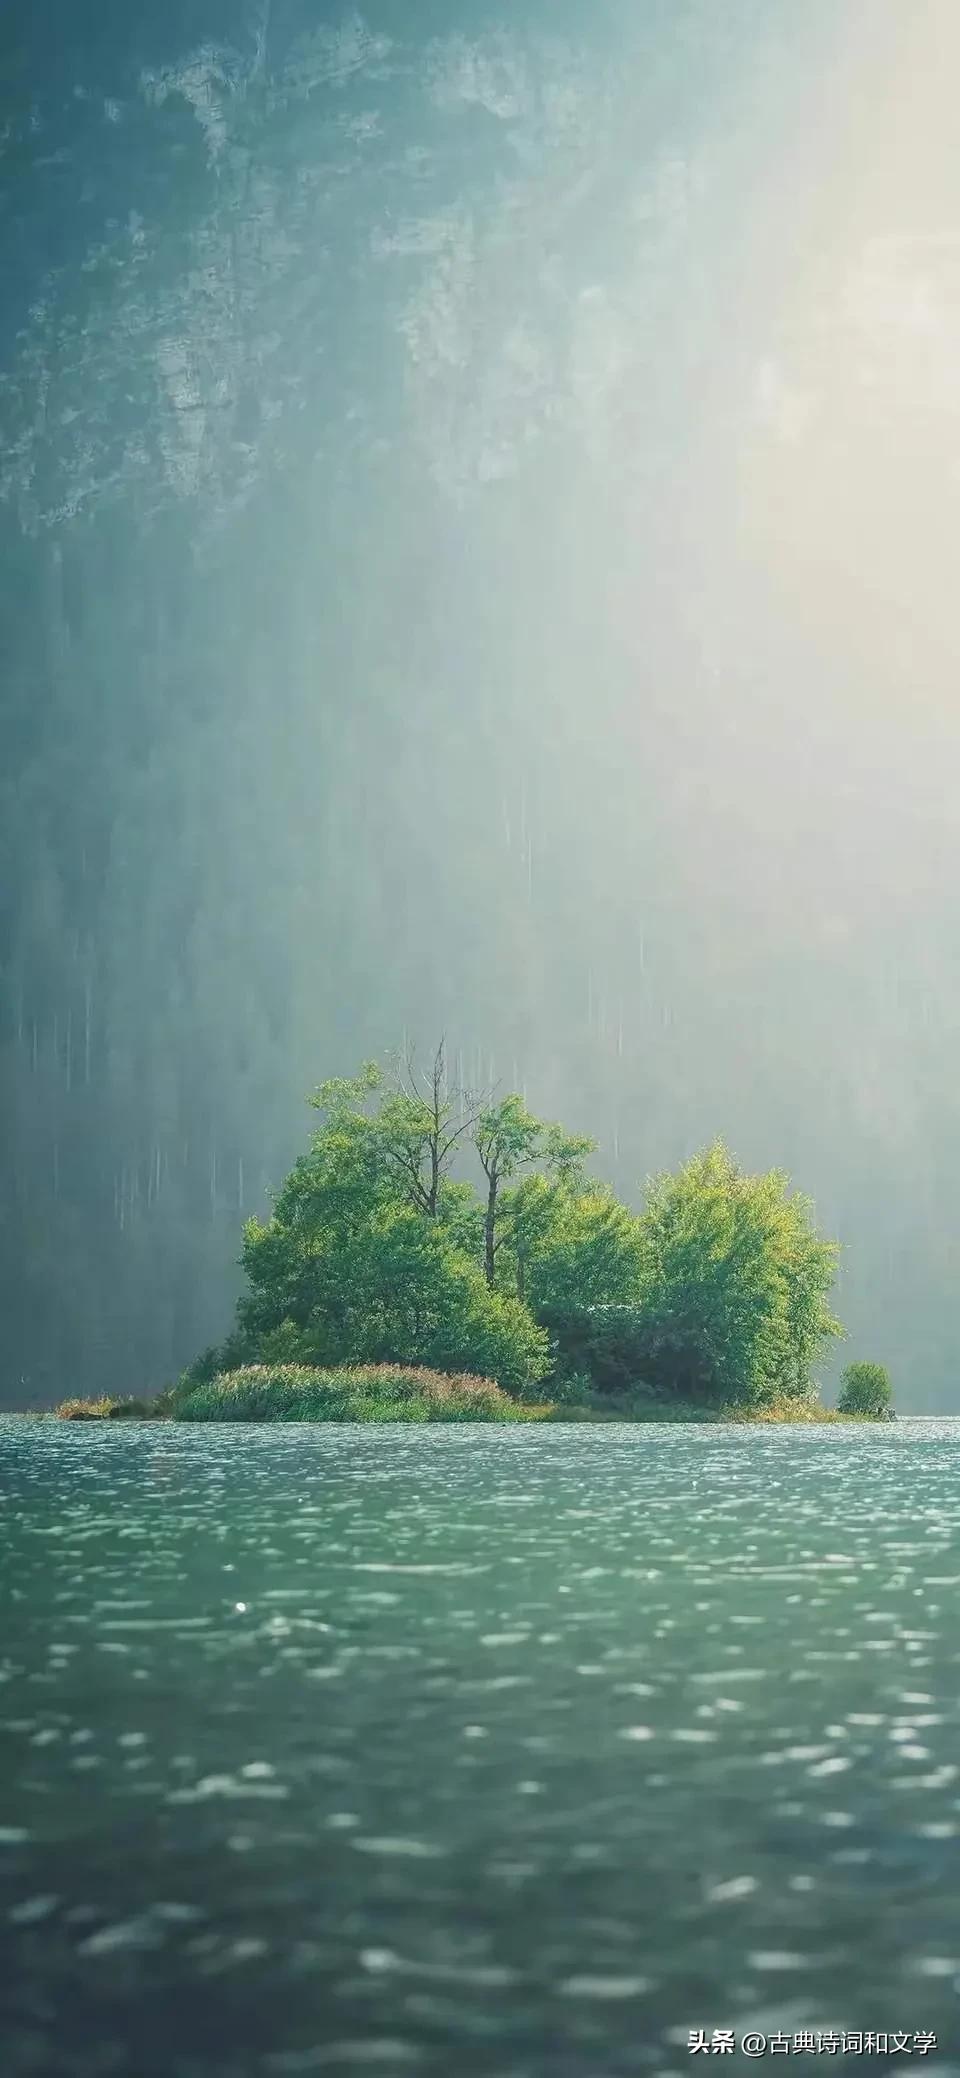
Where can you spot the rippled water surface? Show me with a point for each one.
(476, 1753)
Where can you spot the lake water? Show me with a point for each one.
(477, 1753)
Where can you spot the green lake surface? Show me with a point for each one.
(477, 1752)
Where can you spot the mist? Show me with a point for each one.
(478, 507)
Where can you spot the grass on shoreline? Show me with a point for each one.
(307, 1393)
(347, 1392)
(406, 1393)
(795, 1413)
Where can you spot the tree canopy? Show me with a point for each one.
(735, 1281)
(384, 1248)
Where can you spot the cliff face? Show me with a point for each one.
(369, 387)
(245, 375)
(241, 389)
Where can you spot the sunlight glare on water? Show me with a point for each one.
(482, 1753)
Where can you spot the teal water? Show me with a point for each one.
(477, 1753)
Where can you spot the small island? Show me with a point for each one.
(391, 1284)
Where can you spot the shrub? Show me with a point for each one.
(865, 1389)
(349, 1392)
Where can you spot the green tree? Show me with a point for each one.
(418, 1125)
(508, 1138)
(363, 1261)
(735, 1283)
(865, 1388)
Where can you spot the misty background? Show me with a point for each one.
(478, 519)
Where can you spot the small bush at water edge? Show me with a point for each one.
(865, 1389)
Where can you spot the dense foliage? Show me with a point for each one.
(602, 1349)
(865, 1388)
(716, 1294)
(735, 1283)
(730, 1294)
